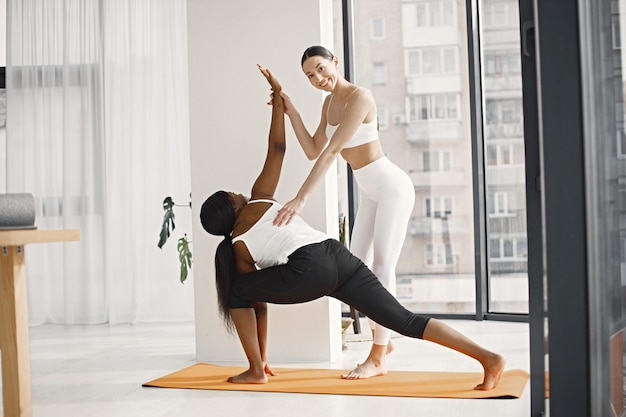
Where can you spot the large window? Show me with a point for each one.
(413, 56)
(416, 72)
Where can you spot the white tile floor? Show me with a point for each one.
(97, 371)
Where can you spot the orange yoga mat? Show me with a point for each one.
(328, 381)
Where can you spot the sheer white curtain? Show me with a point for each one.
(97, 130)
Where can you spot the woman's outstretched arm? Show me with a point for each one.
(357, 109)
(266, 183)
(312, 145)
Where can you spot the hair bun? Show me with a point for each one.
(217, 214)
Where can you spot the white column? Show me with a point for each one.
(230, 122)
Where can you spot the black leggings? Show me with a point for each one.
(327, 268)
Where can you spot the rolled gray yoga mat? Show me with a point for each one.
(17, 211)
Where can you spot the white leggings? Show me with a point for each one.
(387, 196)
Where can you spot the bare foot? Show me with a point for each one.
(249, 377)
(493, 366)
(367, 369)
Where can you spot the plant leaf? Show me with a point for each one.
(168, 220)
(184, 257)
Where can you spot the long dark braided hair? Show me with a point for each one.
(218, 218)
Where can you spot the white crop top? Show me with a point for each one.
(271, 245)
(367, 132)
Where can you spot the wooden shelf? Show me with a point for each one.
(18, 237)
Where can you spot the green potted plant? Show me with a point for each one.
(168, 226)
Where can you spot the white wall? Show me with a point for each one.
(229, 122)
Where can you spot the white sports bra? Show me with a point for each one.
(271, 245)
(367, 132)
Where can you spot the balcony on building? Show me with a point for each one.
(506, 175)
(502, 85)
(429, 226)
(429, 179)
(504, 131)
(434, 131)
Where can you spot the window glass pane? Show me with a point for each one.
(500, 17)
(515, 63)
(506, 151)
(431, 60)
(502, 202)
(504, 173)
(447, 164)
(428, 250)
(379, 73)
(448, 13)
(378, 28)
(487, 16)
(440, 108)
(508, 112)
(448, 206)
(449, 258)
(421, 14)
(435, 13)
(426, 161)
(491, 112)
(492, 154)
(449, 60)
(424, 112)
(494, 248)
(490, 63)
(437, 206)
(413, 62)
(521, 250)
(452, 107)
(425, 52)
(507, 248)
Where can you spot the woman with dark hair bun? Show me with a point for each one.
(259, 262)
